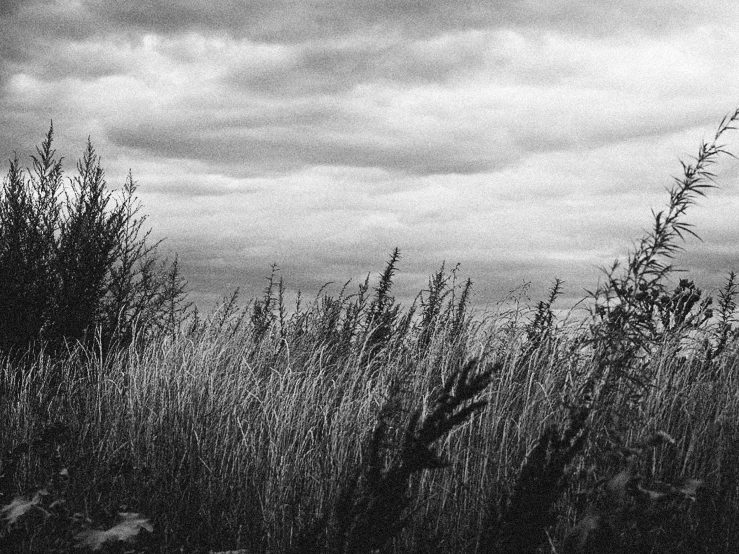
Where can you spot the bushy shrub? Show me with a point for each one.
(74, 263)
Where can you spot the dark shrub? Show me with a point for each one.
(74, 262)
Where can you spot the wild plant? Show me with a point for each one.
(626, 510)
(632, 309)
(541, 325)
(440, 308)
(383, 311)
(372, 508)
(74, 261)
(44, 521)
(431, 306)
(726, 312)
(523, 524)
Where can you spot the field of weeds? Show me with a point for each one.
(350, 424)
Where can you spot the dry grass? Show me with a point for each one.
(225, 444)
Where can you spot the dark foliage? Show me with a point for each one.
(523, 525)
(373, 506)
(74, 261)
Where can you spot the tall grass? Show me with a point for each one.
(352, 424)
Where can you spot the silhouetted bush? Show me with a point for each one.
(74, 262)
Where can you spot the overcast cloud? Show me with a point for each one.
(525, 140)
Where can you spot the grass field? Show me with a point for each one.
(351, 424)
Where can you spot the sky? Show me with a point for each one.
(522, 140)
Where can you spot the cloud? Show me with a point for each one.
(525, 140)
(263, 151)
(334, 66)
(204, 185)
(335, 104)
(30, 23)
(283, 20)
(10, 7)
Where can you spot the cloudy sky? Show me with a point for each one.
(524, 140)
